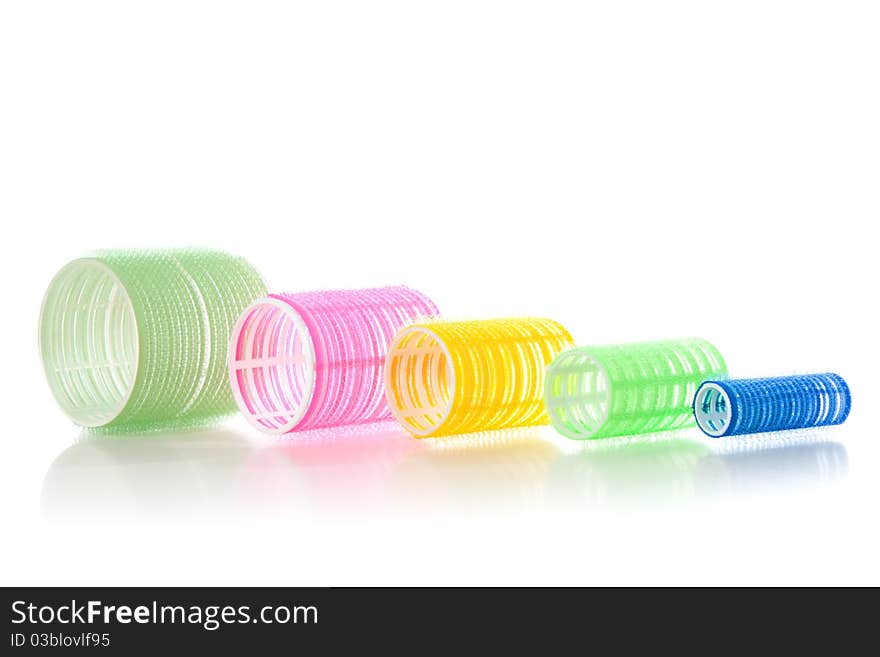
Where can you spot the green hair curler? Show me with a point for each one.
(620, 390)
(137, 340)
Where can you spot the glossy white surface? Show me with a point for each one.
(635, 170)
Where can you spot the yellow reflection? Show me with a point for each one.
(492, 471)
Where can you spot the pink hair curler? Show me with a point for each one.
(316, 359)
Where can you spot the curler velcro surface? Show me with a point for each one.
(740, 406)
(137, 339)
(445, 378)
(628, 389)
(315, 359)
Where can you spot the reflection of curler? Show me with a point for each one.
(803, 461)
(343, 469)
(740, 406)
(179, 475)
(315, 359)
(619, 390)
(137, 339)
(504, 469)
(446, 378)
(628, 473)
(661, 469)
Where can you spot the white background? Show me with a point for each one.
(636, 170)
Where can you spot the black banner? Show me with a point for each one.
(146, 620)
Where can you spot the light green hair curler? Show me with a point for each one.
(137, 340)
(628, 389)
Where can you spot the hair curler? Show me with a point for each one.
(628, 389)
(315, 359)
(446, 378)
(137, 339)
(740, 406)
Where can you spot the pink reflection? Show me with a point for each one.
(343, 469)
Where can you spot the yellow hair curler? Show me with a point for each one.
(444, 378)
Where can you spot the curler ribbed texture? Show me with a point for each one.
(740, 406)
(629, 389)
(137, 339)
(314, 360)
(446, 378)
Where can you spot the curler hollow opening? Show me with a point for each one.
(712, 409)
(272, 366)
(419, 380)
(89, 342)
(578, 395)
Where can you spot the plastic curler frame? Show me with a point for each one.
(314, 360)
(628, 389)
(446, 378)
(743, 406)
(136, 340)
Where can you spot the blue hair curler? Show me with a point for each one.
(739, 406)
